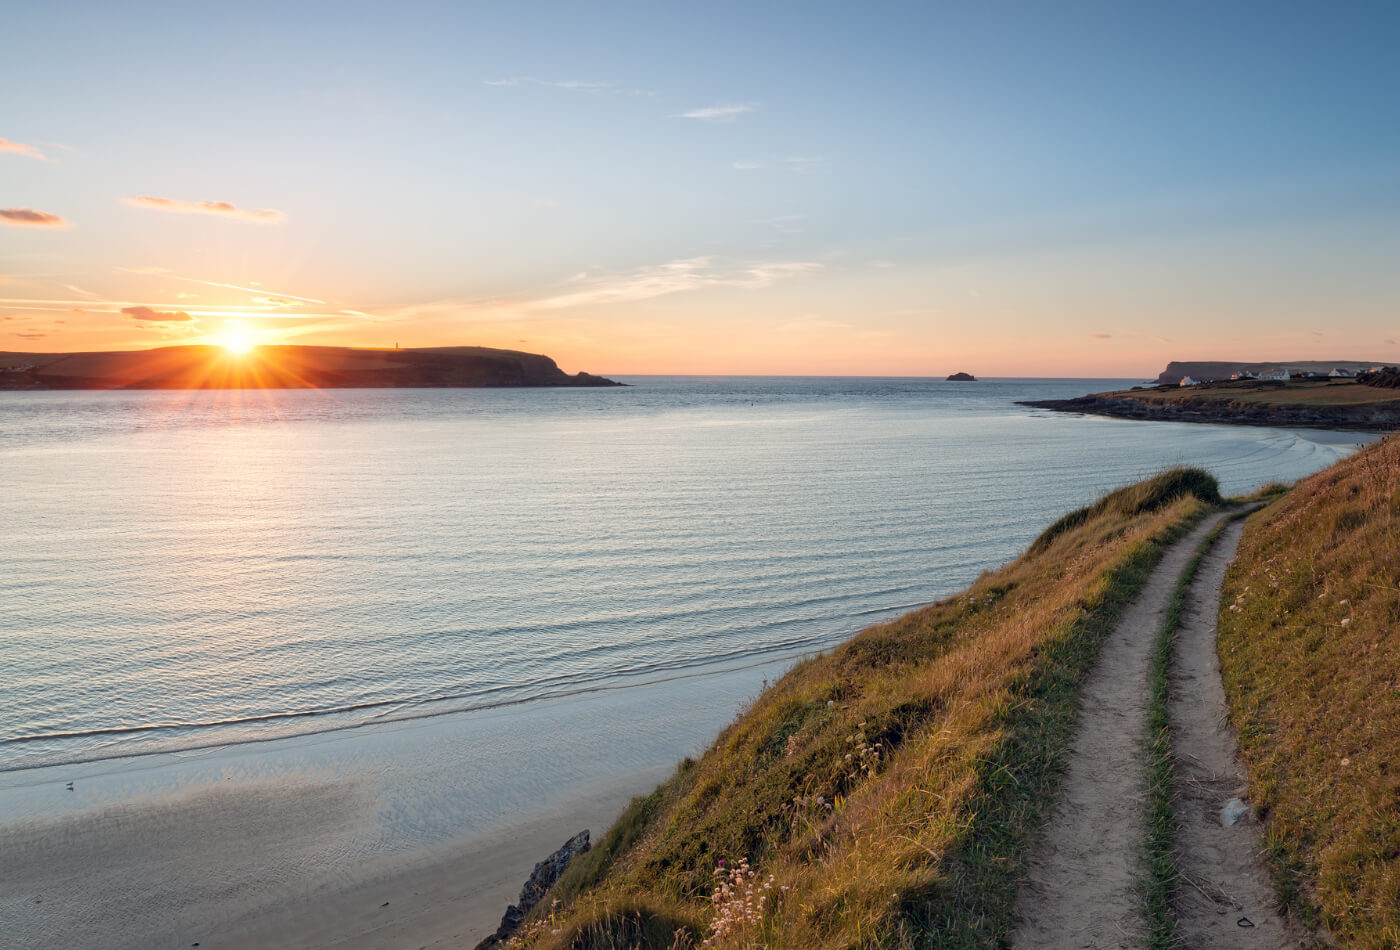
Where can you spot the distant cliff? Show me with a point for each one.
(1208, 370)
(286, 367)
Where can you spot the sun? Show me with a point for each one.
(237, 341)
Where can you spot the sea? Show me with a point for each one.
(187, 571)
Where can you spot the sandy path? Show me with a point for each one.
(1081, 887)
(1225, 881)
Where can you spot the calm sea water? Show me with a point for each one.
(179, 570)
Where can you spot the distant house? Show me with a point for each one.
(1278, 374)
(1190, 381)
(1340, 373)
(1244, 374)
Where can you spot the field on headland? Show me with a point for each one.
(1303, 393)
(1323, 403)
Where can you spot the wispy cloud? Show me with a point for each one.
(250, 290)
(144, 269)
(678, 276)
(86, 294)
(573, 85)
(585, 84)
(814, 323)
(29, 218)
(219, 208)
(157, 316)
(725, 113)
(798, 164)
(1102, 336)
(28, 335)
(19, 148)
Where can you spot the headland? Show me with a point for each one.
(286, 367)
(1317, 403)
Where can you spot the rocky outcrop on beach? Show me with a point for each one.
(541, 880)
(1365, 417)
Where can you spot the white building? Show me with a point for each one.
(1340, 373)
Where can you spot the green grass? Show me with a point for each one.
(892, 787)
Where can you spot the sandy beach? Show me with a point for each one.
(406, 834)
(250, 868)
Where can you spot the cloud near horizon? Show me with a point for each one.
(157, 316)
(19, 148)
(696, 273)
(717, 113)
(28, 217)
(218, 208)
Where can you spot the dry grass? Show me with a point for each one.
(886, 792)
(1310, 646)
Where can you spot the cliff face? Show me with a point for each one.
(1208, 370)
(286, 367)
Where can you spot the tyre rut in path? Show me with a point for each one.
(1224, 898)
(1081, 887)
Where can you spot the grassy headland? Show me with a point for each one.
(285, 367)
(883, 794)
(1322, 403)
(1311, 661)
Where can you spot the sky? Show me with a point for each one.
(1010, 189)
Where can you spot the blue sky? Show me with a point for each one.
(1010, 188)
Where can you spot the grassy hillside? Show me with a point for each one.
(1310, 647)
(883, 794)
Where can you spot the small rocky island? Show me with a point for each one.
(962, 378)
(287, 367)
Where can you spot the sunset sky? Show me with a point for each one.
(1012, 189)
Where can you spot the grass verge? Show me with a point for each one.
(1310, 655)
(884, 794)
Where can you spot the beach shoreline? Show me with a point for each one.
(409, 833)
(277, 865)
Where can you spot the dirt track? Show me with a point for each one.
(1082, 885)
(1082, 890)
(1225, 898)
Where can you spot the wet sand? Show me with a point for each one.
(409, 834)
(272, 867)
